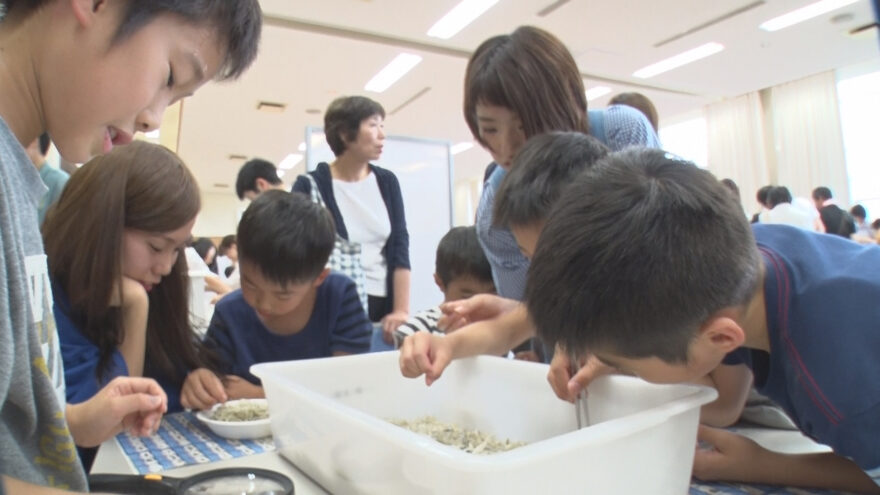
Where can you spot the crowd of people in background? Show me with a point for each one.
(821, 213)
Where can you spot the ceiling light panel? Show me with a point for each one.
(460, 16)
(679, 60)
(398, 67)
(804, 13)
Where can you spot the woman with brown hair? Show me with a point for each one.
(518, 86)
(113, 243)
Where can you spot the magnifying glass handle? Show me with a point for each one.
(132, 483)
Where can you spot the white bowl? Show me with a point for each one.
(237, 430)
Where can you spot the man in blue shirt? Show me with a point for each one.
(290, 306)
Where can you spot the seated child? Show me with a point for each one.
(461, 270)
(290, 306)
(113, 244)
(648, 264)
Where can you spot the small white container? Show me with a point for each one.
(237, 430)
(329, 419)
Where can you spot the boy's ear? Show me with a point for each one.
(439, 283)
(85, 10)
(320, 279)
(722, 334)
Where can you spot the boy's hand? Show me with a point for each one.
(476, 308)
(202, 389)
(729, 457)
(127, 403)
(568, 387)
(239, 388)
(390, 323)
(424, 353)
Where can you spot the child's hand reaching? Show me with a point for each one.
(424, 353)
(568, 387)
(202, 389)
(457, 314)
(239, 388)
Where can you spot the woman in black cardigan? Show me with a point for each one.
(367, 206)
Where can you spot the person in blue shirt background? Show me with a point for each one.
(290, 305)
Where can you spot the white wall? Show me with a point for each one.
(219, 215)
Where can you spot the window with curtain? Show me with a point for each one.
(688, 140)
(859, 101)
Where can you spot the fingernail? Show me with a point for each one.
(155, 400)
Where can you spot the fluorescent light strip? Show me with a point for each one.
(685, 58)
(290, 161)
(463, 146)
(597, 92)
(460, 16)
(804, 13)
(398, 67)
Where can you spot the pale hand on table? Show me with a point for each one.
(390, 323)
(202, 389)
(457, 314)
(134, 404)
(423, 353)
(566, 386)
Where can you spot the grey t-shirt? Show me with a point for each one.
(35, 444)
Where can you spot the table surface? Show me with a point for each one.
(111, 459)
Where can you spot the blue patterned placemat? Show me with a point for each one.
(700, 488)
(183, 440)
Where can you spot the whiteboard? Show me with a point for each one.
(424, 169)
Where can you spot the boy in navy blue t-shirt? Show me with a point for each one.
(290, 306)
(648, 265)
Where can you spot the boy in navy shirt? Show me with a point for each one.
(290, 306)
(648, 265)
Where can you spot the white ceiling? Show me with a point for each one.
(314, 51)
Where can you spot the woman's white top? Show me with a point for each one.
(366, 220)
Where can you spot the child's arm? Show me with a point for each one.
(739, 459)
(135, 307)
(732, 383)
(239, 388)
(428, 354)
(202, 389)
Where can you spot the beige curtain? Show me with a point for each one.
(737, 145)
(807, 137)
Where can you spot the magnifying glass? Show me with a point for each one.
(226, 481)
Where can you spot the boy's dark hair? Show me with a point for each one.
(639, 252)
(44, 143)
(859, 211)
(227, 242)
(641, 103)
(343, 118)
(459, 254)
(822, 193)
(254, 169)
(541, 169)
(287, 236)
(763, 193)
(779, 194)
(876, 224)
(238, 23)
